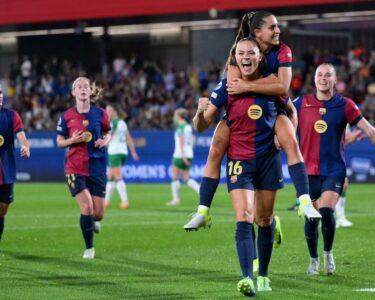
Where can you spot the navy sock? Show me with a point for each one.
(265, 245)
(87, 227)
(245, 248)
(1, 227)
(207, 190)
(328, 227)
(299, 177)
(312, 235)
(254, 243)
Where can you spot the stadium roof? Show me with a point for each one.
(34, 11)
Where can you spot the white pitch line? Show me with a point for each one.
(145, 223)
(371, 290)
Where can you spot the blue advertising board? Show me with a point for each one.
(155, 149)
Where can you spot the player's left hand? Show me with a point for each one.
(25, 152)
(135, 156)
(236, 86)
(100, 143)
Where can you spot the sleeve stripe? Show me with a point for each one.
(286, 64)
(356, 120)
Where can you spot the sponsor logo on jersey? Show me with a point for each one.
(88, 136)
(254, 112)
(320, 126)
(1, 140)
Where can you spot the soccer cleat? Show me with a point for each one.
(124, 205)
(343, 222)
(278, 238)
(89, 253)
(307, 209)
(255, 265)
(329, 263)
(173, 203)
(246, 287)
(198, 220)
(263, 284)
(313, 268)
(97, 227)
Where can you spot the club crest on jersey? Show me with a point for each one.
(254, 112)
(322, 110)
(85, 123)
(1, 140)
(88, 136)
(233, 179)
(320, 126)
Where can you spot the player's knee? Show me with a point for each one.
(264, 221)
(290, 145)
(244, 216)
(3, 209)
(216, 155)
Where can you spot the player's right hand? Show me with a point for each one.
(203, 104)
(78, 136)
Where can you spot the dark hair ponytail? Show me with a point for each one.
(250, 21)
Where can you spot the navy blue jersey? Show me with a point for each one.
(11, 124)
(278, 57)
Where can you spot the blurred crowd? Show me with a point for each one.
(149, 91)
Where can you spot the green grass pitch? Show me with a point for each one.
(144, 253)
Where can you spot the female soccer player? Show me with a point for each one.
(262, 26)
(118, 153)
(322, 119)
(11, 127)
(85, 130)
(182, 156)
(253, 163)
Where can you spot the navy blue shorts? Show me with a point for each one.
(319, 184)
(262, 173)
(6, 193)
(95, 184)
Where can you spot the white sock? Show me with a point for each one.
(193, 185)
(307, 196)
(175, 185)
(109, 188)
(203, 208)
(340, 208)
(121, 188)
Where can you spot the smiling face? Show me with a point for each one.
(248, 57)
(325, 78)
(269, 33)
(82, 90)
